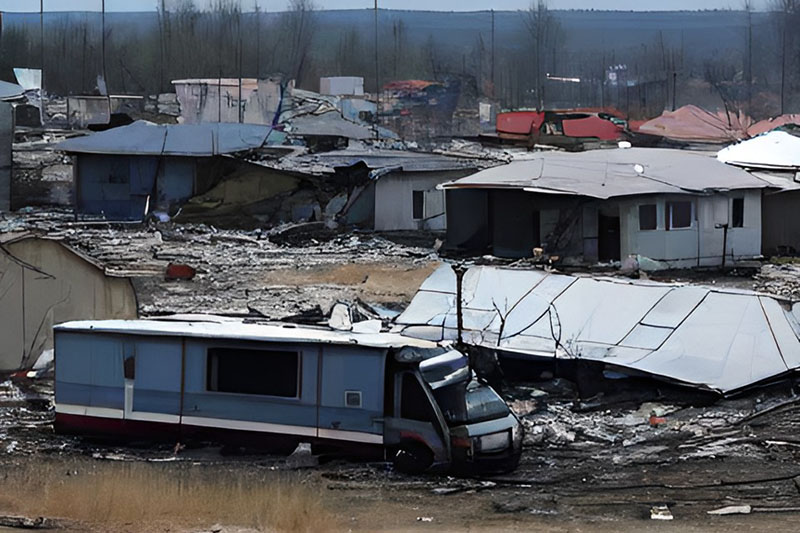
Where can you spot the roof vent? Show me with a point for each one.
(624, 144)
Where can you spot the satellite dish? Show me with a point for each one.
(638, 168)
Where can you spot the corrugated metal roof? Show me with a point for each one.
(145, 138)
(713, 338)
(10, 91)
(613, 173)
(239, 330)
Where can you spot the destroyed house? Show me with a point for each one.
(391, 190)
(679, 209)
(714, 338)
(128, 172)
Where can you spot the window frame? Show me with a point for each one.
(668, 218)
(421, 195)
(733, 212)
(298, 381)
(655, 217)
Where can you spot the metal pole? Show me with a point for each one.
(103, 42)
(492, 68)
(42, 113)
(674, 88)
(239, 31)
(377, 77)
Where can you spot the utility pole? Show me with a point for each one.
(258, 42)
(42, 113)
(492, 68)
(783, 64)
(239, 32)
(103, 41)
(377, 77)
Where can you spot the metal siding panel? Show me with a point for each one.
(356, 369)
(158, 364)
(249, 408)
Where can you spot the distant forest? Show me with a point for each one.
(639, 62)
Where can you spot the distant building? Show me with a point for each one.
(677, 208)
(342, 86)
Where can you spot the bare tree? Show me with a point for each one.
(545, 36)
(298, 23)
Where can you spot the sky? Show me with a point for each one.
(438, 5)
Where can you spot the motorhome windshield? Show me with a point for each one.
(469, 403)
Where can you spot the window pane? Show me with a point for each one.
(738, 213)
(414, 404)
(647, 217)
(680, 214)
(264, 372)
(419, 203)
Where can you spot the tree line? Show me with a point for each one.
(532, 66)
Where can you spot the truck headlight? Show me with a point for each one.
(495, 442)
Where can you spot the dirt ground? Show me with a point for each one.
(588, 465)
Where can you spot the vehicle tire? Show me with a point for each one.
(412, 458)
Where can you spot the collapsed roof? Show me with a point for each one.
(146, 138)
(612, 173)
(724, 340)
(691, 123)
(773, 150)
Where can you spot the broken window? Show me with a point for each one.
(678, 215)
(647, 217)
(418, 204)
(263, 372)
(737, 215)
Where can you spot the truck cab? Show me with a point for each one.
(443, 418)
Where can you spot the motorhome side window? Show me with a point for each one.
(262, 372)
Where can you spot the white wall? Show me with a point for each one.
(700, 244)
(394, 207)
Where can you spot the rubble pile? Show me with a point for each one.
(239, 273)
(780, 279)
(641, 431)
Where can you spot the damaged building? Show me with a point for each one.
(714, 338)
(773, 157)
(679, 209)
(44, 282)
(128, 172)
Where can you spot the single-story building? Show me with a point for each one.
(775, 158)
(679, 208)
(127, 172)
(44, 282)
(392, 190)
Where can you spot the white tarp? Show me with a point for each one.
(30, 79)
(713, 338)
(771, 150)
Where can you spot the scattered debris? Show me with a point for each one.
(732, 509)
(660, 512)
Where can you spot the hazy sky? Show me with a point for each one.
(439, 5)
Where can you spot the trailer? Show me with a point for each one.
(274, 386)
